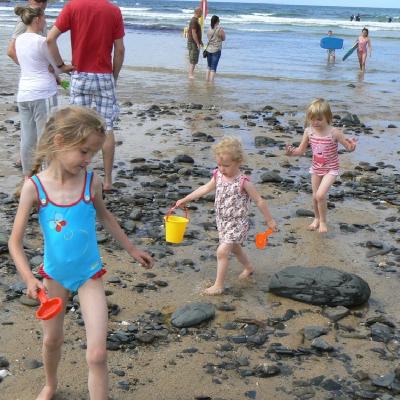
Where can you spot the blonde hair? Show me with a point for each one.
(231, 146)
(317, 109)
(27, 13)
(75, 124)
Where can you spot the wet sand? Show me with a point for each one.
(163, 369)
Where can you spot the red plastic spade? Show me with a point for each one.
(49, 308)
(262, 239)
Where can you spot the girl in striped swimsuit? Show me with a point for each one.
(323, 139)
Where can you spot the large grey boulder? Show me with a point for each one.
(320, 286)
(192, 314)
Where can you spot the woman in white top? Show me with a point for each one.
(37, 89)
(216, 36)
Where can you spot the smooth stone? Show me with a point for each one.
(183, 158)
(312, 332)
(271, 176)
(267, 370)
(320, 286)
(321, 345)
(192, 314)
(381, 332)
(250, 394)
(301, 212)
(33, 364)
(4, 363)
(27, 301)
(145, 337)
(385, 380)
(36, 260)
(335, 313)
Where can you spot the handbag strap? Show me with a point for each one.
(215, 31)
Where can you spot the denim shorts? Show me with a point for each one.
(213, 59)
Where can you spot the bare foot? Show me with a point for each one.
(47, 393)
(213, 291)
(314, 225)
(322, 227)
(247, 273)
(191, 76)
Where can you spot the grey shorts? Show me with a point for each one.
(89, 88)
(193, 52)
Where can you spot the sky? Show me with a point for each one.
(343, 3)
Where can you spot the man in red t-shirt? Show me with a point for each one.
(96, 29)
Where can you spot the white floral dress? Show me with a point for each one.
(231, 208)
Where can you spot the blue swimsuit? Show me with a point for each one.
(71, 254)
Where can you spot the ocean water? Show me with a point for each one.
(271, 54)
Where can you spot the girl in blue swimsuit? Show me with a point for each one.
(69, 198)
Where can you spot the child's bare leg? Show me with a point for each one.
(244, 260)
(53, 338)
(321, 196)
(315, 182)
(360, 60)
(95, 314)
(364, 60)
(223, 251)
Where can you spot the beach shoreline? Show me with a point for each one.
(156, 124)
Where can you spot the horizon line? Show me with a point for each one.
(288, 4)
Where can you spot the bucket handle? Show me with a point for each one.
(170, 211)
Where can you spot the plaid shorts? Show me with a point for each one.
(88, 88)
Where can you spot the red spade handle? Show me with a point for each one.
(173, 208)
(269, 231)
(42, 296)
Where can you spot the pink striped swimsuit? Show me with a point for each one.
(325, 158)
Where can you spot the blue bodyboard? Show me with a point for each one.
(331, 43)
(350, 52)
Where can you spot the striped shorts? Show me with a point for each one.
(89, 88)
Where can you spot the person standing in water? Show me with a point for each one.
(331, 52)
(216, 36)
(194, 42)
(364, 47)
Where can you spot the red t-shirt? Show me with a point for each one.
(94, 26)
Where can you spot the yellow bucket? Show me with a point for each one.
(175, 227)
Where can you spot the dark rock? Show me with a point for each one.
(263, 141)
(145, 337)
(381, 333)
(321, 345)
(312, 332)
(190, 350)
(225, 307)
(267, 370)
(183, 158)
(350, 120)
(320, 286)
(385, 381)
(123, 385)
(238, 339)
(192, 314)
(4, 363)
(271, 176)
(331, 385)
(301, 212)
